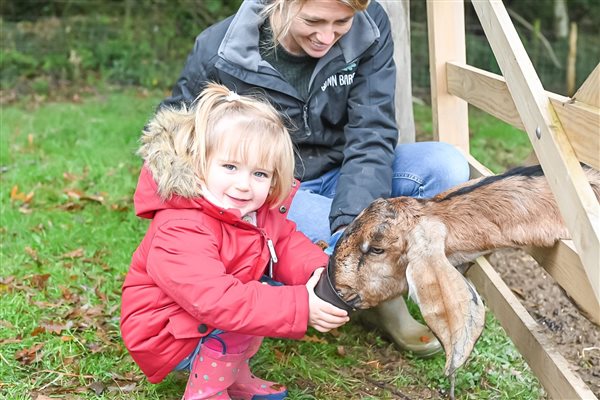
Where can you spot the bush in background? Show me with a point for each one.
(46, 44)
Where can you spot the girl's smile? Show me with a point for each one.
(235, 184)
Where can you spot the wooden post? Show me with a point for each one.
(446, 28)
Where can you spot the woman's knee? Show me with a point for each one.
(454, 165)
(424, 169)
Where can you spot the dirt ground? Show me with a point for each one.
(574, 336)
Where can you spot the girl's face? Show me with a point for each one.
(317, 27)
(235, 184)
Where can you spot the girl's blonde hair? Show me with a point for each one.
(247, 128)
(282, 12)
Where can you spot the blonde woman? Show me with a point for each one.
(328, 65)
(216, 183)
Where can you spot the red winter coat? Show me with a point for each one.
(198, 265)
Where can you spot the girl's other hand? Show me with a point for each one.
(322, 315)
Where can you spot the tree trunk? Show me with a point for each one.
(561, 19)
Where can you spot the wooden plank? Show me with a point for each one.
(446, 33)
(561, 261)
(549, 366)
(581, 123)
(489, 92)
(589, 93)
(574, 195)
(399, 13)
(485, 90)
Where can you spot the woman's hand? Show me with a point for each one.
(322, 315)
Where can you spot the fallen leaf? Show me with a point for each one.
(374, 364)
(100, 295)
(70, 177)
(16, 195)
(38, 330)
(78, 194)
(39, 281)
(52, 327)
(32, 253)
(70, 206)
(313, 339)
(97, 387)
(77, 253)
(27, 356)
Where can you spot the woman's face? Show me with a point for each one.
(317, 26)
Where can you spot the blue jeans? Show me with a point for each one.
(420, 170)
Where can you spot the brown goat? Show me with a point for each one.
(403, 243)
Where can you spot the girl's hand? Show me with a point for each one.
(322, 315)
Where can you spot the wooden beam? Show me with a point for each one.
(489, 92)
(581, 123)
(589, 93)
(485, 90)
(549, 366)
(446, 30)
(563, 264)
(574, 195)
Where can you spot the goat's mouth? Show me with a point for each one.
(343, 299)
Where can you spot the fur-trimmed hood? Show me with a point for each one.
(173, 172)
(168, 179)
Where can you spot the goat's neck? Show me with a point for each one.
(503, 214)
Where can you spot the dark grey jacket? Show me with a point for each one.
(348, 119)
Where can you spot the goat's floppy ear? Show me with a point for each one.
(449, 304)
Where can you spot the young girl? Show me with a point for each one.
(217, 182)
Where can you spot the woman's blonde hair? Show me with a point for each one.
(282, 12)
(247, 128)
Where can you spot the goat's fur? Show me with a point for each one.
(404, 243)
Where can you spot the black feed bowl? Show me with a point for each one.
(325, 290)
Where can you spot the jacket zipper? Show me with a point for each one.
(305, 118)
(273, 258)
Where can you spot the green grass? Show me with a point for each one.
(65, 249)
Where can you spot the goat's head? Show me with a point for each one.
(392, 246)
(370, 259)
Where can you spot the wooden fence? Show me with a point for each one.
(563, 131)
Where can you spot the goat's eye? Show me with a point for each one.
(375, 250)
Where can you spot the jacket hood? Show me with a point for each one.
(173, 172)
(168, 178)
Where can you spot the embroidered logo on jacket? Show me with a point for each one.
(343, 78)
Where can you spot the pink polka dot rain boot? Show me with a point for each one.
(249, 387)
(212, 373)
